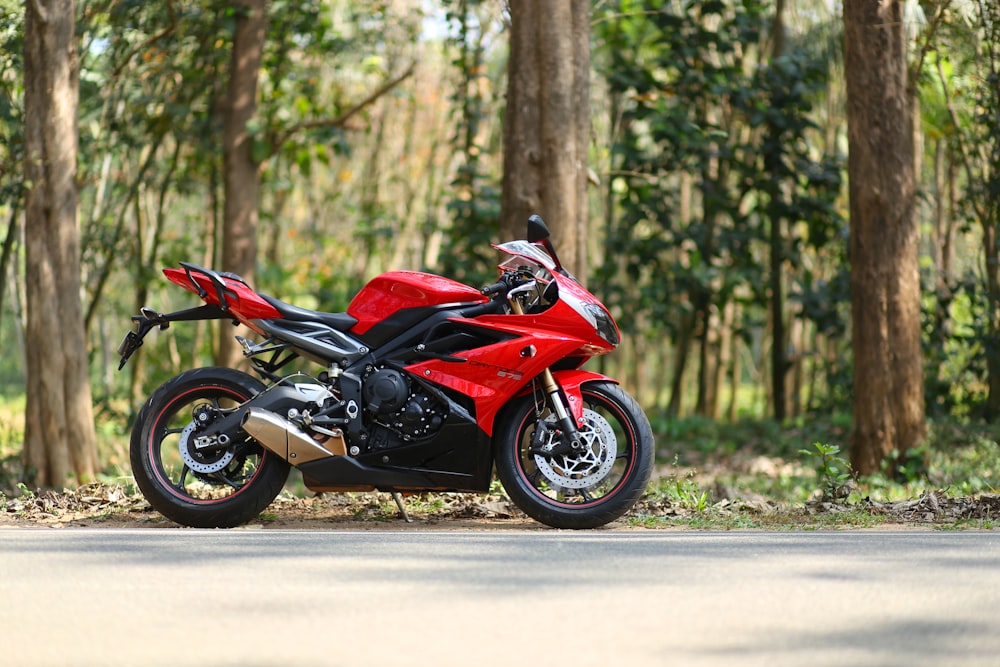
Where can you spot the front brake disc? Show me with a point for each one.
(586, 468)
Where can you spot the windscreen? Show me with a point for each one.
(528, 251)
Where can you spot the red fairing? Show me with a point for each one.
(491, 375)
(560, 318)
(245, 304)
(396, 290)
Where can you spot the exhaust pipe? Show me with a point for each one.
(286, 439)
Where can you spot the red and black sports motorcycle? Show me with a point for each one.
(425, 384)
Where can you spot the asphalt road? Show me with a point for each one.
(256, 598)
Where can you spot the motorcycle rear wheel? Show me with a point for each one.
(583, 489)
(219, 489)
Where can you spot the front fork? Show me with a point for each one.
(569, 435)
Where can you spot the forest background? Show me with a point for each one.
(719, 220)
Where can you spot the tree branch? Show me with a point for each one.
(918, 67)
(111, 248)
(963, 149)
(342, 119)
(148, 42)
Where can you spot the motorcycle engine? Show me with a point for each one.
(402, 411)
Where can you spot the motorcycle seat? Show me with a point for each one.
(338, 321)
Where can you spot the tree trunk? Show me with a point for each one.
(60, 445)
(725, 360)
(242, 176)
(736, 367)
(991, 245)
(708, 363)
(704, 296)
(682, 352)
(885, 285)
(547, 124)
(779, 343)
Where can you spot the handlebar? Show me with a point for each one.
(495, 288)
(508, 281)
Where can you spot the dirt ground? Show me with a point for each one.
(105, 506)
(111, 506)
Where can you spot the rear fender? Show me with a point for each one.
(234, 297)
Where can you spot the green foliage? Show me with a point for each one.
(963, 456)
(717, 145)
(474, 207)
(687, 494)
(11, 182)
(657, 63)
(794, 185)
(153, 86)
(957, 345)
(833, 470)
(11, 441)
(762, 459)
(717, 162)
(961, 325)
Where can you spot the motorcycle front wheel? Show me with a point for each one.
(586, 488)
(203, 487)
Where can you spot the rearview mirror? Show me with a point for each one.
(537, 231)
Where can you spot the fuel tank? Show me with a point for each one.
(391, 292)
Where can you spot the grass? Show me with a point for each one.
(759, 475)
(782, 521)
(788, 464)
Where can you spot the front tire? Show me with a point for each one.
(202, 488)
(583, 489)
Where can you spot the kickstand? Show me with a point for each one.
(399, 503)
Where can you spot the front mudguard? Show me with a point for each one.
(570, 382)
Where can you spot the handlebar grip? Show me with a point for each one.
(495, 288)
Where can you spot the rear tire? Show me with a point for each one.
(586, 489)
(218, 489)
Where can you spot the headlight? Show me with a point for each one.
(603, 323)
(594, 314)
